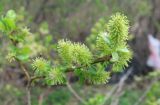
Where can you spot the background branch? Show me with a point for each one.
(75, 93)
(121, 83)
(146, 91)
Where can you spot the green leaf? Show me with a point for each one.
(17, 36)
(10, 24)
(115, 57)
(7, 23)
(23, 57)
(105, 38)
(23, 54)
(48, 38)
(123, 50)
(2, 27)
(11, 14)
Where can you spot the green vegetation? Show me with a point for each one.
(74, 57)
(66, 52)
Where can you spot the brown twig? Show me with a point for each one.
(40, 101)
(121, 83)
(146, 91)
(28, 87)
(22, 66)
(24, 70)
(108, 95)
(75, 93)
(35, 77)
(117, 88)
(28, 96)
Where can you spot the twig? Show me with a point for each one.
(145, 93)
(98, 60)
(118, 93)
(8, 101)
(24, 70)
(31, 79)
(35, 77)
(108, 95)
(22, 66)
(28, 83)
(117, 87)
(75, 93)
(28, 96)
(40, 101)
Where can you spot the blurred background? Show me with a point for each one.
(51, 20)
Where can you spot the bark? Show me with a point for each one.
(145, 25)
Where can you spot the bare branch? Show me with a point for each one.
(117, 87)
(121, 83)
(146, 91)
(75, 93)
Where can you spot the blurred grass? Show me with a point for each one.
(61, 96)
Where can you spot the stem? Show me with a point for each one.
(24, 70)
(75, 93)
(22, 66)
(68, 85)
(146, 91)
(120, 85)
(31, 79)
(28, 96)
(98, 60)
(36, 77)
(28, 82)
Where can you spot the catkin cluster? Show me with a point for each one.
(109, 48)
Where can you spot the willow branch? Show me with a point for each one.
(98, 60)
(35, 77)
(28, 82)
(116, 90)
(22, 66)
(120, 86)
(24, 70)
(28, 96)
(19, 62)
